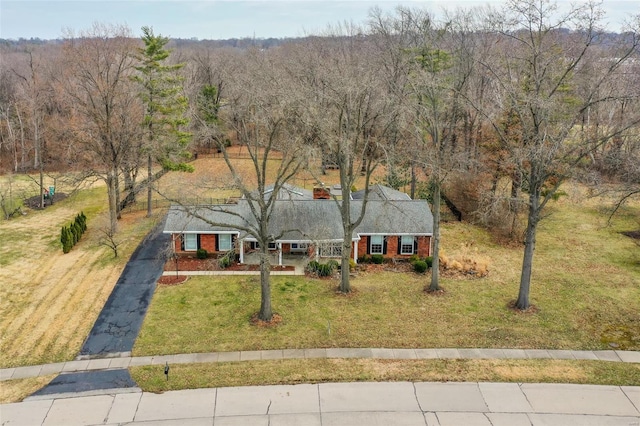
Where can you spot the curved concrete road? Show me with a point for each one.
(119, 322)
(348, 404)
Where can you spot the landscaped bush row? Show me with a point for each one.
(70, 235)
(377, 259)
(421, 265)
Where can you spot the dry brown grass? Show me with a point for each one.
(294, 371)
(212, 178)
(468, 261)
(17, 390)
(50, 300)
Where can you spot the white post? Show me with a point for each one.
(241, 242)
(280, 254)
(355, 251)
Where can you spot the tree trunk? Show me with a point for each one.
(42, 186)
(413, 181)
(529, 248)
(149, 184)
(23, 149)
(113, 206)
(347, 228)
(118, 203)
(435, 270)
(345, 284)
(265, 313)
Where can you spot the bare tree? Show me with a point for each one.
(540, 64)
(348, 113)
(35, 94)
(438, 71)
(263, 116)
(109, 239)
(105, 107)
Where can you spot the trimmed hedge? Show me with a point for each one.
(70, 235)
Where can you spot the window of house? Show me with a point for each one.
(376, 244)
(224, 242)
(406, 245)
(190, 242)
(270, 246)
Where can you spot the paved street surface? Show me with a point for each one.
(400, 403)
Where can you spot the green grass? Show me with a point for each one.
(191, 376)
(585, 286)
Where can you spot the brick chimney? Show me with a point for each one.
(320, 193)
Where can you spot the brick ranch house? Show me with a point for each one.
(308, 223)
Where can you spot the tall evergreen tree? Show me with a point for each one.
(165, 108)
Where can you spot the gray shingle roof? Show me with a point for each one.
(308, 219)
(380, 192)
(286, 192)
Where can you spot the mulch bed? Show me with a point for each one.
(170, 280)
(632, 234)
(194, 264)
(275, 320)
(532, 309)
(34, 202)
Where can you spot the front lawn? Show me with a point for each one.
(388, 309)
(585, 288)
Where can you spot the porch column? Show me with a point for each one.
(317, 252)
(280, 254)
(355, 252)
(241, 251)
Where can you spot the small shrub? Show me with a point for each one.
(202, 253)
(225, 261)
(66, 239)
(429, 261)
(378, 259)
(322, 269)
(312, 266)
(413, 259)
(83, 219)
(78, 231)
(352, 265)
(74, 235)
(325, 269)
(420, 266)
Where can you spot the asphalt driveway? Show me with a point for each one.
(119, 322)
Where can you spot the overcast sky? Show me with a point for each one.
(220, 19)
